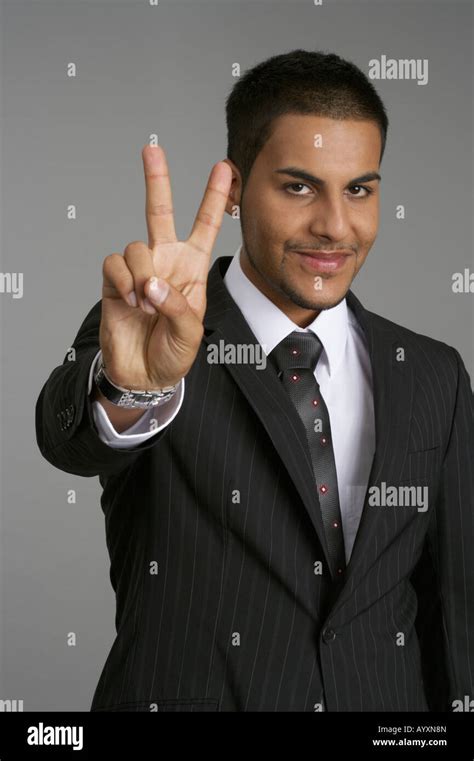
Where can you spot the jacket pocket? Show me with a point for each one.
(423, 450)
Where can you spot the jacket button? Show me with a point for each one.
(329, 635)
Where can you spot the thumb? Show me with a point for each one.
(174, 306)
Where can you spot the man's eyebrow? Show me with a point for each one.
(298, 174)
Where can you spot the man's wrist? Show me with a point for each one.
(128, 398)
(120, 418)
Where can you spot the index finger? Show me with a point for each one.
(159, 201)
(209, 217)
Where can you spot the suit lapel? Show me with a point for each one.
(393, 388)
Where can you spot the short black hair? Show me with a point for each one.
(302, 82)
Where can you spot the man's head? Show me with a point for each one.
(306, 135)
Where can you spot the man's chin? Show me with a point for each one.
(319, 299)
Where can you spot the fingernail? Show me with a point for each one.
(158, 290)
(132, 299)
(148, 306)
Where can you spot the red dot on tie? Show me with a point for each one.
(323, 489)
(315, 402)
(323, 440)
(295, 378)
(339, 570)
(295, 352)
(335, 524)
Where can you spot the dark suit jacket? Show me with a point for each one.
(224, 502)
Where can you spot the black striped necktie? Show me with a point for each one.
(295, 359)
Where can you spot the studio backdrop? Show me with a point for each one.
(84, 85)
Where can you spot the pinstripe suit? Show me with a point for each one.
(234, 618)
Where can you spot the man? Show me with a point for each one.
(289, 527)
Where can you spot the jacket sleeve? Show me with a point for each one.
(450, 545)
(65, 430)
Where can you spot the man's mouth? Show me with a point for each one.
(324, 261)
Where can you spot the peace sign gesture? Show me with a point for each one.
(154, 296)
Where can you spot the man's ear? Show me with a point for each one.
(235, 188)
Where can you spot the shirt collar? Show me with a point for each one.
(270, 325)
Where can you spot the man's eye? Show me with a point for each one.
(357, 188)
(296, 185)
(368, 191)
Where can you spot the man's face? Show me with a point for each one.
(285, 214)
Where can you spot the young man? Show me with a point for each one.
(289, 510)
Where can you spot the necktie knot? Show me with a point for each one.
(298, 350)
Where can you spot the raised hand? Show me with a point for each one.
(154, 296)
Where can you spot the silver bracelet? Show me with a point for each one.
(129, 398)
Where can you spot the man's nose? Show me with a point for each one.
(331, 219)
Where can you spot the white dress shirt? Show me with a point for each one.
(343, 373)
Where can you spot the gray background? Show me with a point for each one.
(167, 69)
